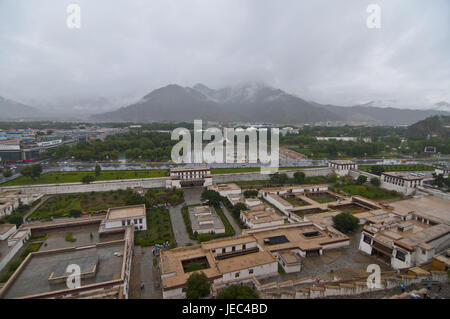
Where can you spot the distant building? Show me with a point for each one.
(189, 176)
(260, 215)
(119, 217)
(11, 240)
(405, 183)
(204, 220)
(342, 167)
(226, 189)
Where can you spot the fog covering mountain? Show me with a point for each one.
(253, 102)
(12, 110)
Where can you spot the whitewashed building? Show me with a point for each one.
(405, 183)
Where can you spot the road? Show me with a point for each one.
(191, 196)
(232, 221)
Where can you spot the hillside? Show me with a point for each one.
(251, 103)
(432, 126)
(11, 110)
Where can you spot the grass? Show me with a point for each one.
(313, 180)
(367, 191)
(13, 264)
(61, 205)
(394, 168)
(159, 229)
(322, 198)
(251, 169)
(295, 202)
(281, 270)
(38, 237)
(74, 177)
(70, 238)
(229, 230)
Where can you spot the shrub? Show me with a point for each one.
(345, 222)
(198, 286)
(69, 237)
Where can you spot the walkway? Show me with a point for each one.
(231, 219)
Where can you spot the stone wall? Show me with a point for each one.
(353, 288)
(159, 182)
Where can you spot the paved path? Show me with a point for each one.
(179, 229)
(142, 272)
(31, 211)
(231, 219)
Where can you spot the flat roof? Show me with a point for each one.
(431, 206)
(342, 162)
(126, 212)
(41, 266)
(225, 187)
(295, 233)
(189, 168)
(403, 175)
(4, 228)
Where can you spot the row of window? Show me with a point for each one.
(128, 221)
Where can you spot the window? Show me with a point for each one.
(243, 246)
(250, 271)
(236, 275)
(367, 239)
(123, 223)
(400, 255)
(233, 248)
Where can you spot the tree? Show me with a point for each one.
(198, 286)
(236, 211)
(361, 179)
(375, 182)
(345, 222)
(278, 178)
(32, 171)
(7, 172)
(439, 180)
(87, 179)
(98, 170)
(250, 193)
(299, 177)
(377, 169)
(75, 213)
(213, 197)
(238, 292)
(333, 178)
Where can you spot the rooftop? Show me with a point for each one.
(404, 176)
(189, 168)
(40, 267)
(126, 212)
(436, 208)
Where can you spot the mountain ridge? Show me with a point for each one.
(251, 102)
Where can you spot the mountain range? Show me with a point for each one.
(254, 102)
(12, 110)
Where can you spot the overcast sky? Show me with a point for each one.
(318, 50)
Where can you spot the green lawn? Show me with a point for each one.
(159, 229)
(73, 177)
(367, 191)
(294, 201)
(61, 205)
(251, 169)
(394, 168)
